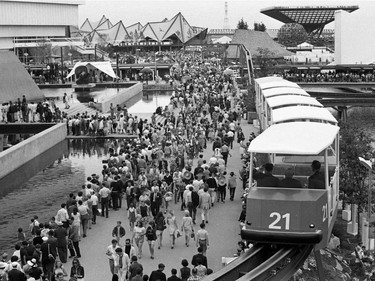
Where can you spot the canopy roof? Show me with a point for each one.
(267, 93)
(302, 112)
(288, 100)
(296, 138)
(103, 66)
(278, 83)
(310, 17)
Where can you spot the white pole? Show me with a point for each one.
(369, 208)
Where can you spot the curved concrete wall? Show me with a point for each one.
(28, 149)
(124, 94)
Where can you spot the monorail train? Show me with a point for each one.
(278, 100)
(296, 130)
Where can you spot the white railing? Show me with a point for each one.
(37, 42)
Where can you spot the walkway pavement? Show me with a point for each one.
(223, 229)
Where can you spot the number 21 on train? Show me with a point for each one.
(280, 221)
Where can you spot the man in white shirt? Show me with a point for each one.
(95, 202)
(104, 193)
(187, 195)
(230, 135)
(111, 251)
(62, 215)
(121, 264)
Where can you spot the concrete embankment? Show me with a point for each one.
(16, 156)
(124, 94)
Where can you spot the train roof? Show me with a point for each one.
(291, 100)
(295, 138)
(302, 112)
(284, 91)
(277, 83)
(268, 79)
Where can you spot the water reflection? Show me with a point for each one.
(41, 185)
(145, 102)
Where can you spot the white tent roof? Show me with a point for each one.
(278, 83)
(287, 100)
(284, 91)
(297, 138)
(222, 40)
(103, 66)
(302, 112)
(305, 45)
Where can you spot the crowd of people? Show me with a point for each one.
(154, 176)
(330, 76)
(22, 111)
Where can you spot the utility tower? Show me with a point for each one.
(226, 20)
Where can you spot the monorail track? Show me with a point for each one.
(264, 262)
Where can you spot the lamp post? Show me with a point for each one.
(155, 67)
(26, 55)
(368, 165)
(117, 67)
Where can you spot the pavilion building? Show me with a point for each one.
(23, 22)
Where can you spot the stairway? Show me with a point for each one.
(89, 50)
(79, 108)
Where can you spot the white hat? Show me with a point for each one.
(14, 264)
(45, 239)
(3, 265)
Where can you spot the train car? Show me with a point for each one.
(285, 101)
(260, 81)
(278, 91)
(302, 113)
(287, 215)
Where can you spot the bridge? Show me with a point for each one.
(341, 96)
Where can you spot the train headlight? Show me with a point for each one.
(312, 225)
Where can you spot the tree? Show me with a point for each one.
(354, 183)
(292, 34)
(42, 51)
(242, 24)
(264, 60)
(259, 26)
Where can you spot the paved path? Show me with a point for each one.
(223, 229)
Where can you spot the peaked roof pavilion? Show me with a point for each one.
(176, 29)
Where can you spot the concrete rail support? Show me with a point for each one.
(14, 157)
(124, 94)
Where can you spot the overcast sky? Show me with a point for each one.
(203, 13)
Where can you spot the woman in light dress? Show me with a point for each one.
(172, 227)
(187, 227)
(139, 237)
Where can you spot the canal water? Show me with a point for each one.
(140, 104)
(41, 185)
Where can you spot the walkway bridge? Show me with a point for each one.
(75, 43)
(341, 95)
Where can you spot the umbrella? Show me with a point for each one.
(228, 71)
(146, 70)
